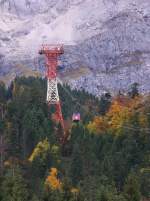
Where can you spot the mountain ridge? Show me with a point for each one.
(104, 36)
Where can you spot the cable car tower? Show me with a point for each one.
(52, 53)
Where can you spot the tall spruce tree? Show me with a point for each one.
(76, 166)
(132, 188)
(14, 187)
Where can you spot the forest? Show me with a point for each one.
(106, 156)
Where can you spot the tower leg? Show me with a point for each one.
(53, 99)
(58, 114)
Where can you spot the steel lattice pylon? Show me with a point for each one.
(52, 53)
(52, 91)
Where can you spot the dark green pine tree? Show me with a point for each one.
(133, 91)
(76, 171)
(105, 103)
(3, 93)
(51, 195)
(1, 187)
(13, 140)
(14, 187)
(132, 188)
(109, 193)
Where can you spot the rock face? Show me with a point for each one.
(110, 38)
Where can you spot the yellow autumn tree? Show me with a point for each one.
(52, 180)
(98, 126)
(118, 115)
(137, 106)
(41, 149)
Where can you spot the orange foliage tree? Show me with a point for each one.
(121, 115)
(52, 180)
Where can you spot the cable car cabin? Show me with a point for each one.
(76, 117)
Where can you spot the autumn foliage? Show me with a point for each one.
(121, 114)
(99, 125)
(106, 157)
(118, 115)
(52, 180)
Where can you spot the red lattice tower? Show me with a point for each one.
(52, 53)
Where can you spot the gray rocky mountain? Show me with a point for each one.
(107, 42)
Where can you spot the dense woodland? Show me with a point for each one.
(106, 156)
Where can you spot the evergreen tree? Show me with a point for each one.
(133, 92)
(105, 103)
(132, 188)
(96, 161)
(109, 193)
(3, 93)
(76, 166)
(14, 187)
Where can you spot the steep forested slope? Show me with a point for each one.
(107, 156)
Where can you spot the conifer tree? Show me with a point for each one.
(133, 92)
(14, 187)
(76, 166)
(132, 188)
